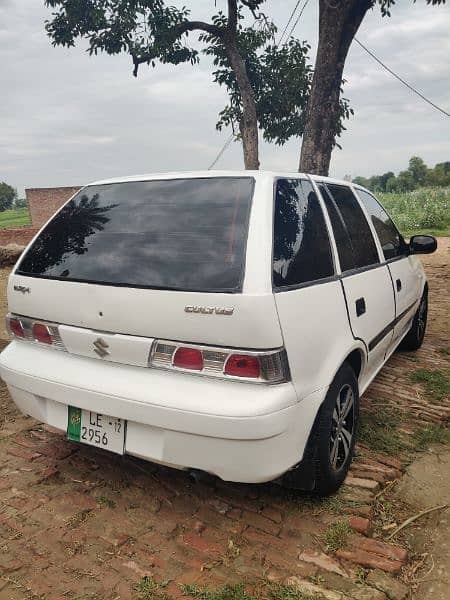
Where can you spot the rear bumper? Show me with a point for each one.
(237, 431)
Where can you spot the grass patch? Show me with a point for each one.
(335, 504)
(104, 501)
(444, 351)
(14, 218)
(431, 434)
(436, 383)
(148, 589)
(270, 591)
(378, 430)
(336, 535)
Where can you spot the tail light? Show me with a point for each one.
(242, 365)
(261, 367)
(188, 358)
(14, 326)
(41, 333)
(34, 331)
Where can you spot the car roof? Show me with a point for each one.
(213, 174)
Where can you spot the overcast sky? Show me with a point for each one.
(67, 118)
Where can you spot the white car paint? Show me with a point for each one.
(240, 431)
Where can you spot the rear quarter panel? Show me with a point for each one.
(316, 334)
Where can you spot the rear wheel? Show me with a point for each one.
(331, 444)
(414, 338)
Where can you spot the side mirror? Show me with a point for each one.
(422, 244)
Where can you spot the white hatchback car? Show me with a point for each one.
(226, 322)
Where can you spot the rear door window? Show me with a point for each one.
(341, 237)
(391, 241)
(363, 244)
(301, 246)
(180, 234)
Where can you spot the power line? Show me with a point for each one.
(297, 20)
(221, 152)
(289, 22)
(413, 89)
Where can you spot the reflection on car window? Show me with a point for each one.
(364, 248)
(391, 241)
(301, 251)
(187, 234)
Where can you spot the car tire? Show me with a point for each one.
(331, 444)
(413, 340)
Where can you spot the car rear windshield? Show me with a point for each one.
(180, 234)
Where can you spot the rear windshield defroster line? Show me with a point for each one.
(177, 234)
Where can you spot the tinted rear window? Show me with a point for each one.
(184, 234)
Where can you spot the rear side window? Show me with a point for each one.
(301, 246)
(183, 234)
(364, 249)
(391, 241)
(342, 239)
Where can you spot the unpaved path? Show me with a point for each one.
(425, 485)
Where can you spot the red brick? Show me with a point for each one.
(368, 484)
(260, 522)
(322, 561)
(205, 544)
(373, 561)
(371, 475)
(378, 547)
(360, 524)
(360, 511)
(22, 453)
(47, 474)
(272, 513)
(17, 235)
(9, 565)
(4, 483)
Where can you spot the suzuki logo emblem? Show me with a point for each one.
(101, 348)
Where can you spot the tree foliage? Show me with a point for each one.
(280, 108)
(152, 32)
(417, 175)
(8, 196)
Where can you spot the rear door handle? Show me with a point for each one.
(398, 284)
(360, 306)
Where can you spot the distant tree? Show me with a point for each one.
(391, 184)
(385, 178)
(418, 170)
(440, 175)
(405, 182)
(364, 181)
(7, 196)
(20, 203)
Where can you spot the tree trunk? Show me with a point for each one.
(249, 123)
(339, 21)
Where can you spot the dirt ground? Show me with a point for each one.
(79, 523)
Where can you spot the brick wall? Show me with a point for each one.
(19, 235)
(44, 202)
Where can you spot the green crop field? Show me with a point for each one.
(14, 218)
(426, 210)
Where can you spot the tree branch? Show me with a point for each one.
(177, 32)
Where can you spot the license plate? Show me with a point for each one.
(95, 429)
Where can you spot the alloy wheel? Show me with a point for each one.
(342, 427)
